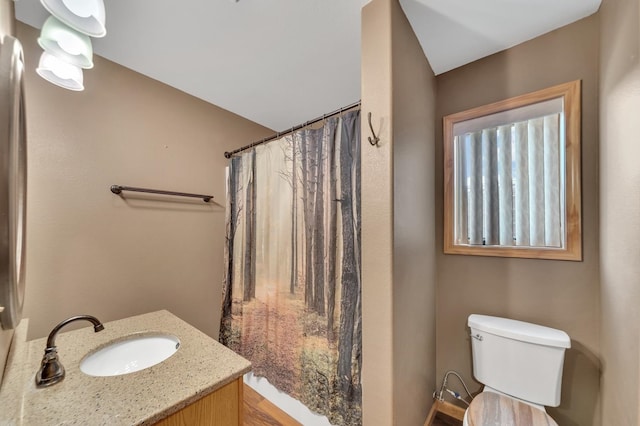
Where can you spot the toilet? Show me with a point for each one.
(520, 365)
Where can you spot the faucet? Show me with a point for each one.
(51, 370)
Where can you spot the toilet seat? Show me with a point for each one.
(492, 409)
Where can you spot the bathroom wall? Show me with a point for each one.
(377, 216)
(560, 294)
(620, 210)
(90, 251)
(414, 268)
(7, 27)
(398, 261)
(7, 18)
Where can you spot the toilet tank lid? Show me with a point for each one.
(520, 330)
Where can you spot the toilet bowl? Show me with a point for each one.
(520, 365)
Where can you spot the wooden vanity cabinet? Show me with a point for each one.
(222, 407)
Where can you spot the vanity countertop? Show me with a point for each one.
(199, 367)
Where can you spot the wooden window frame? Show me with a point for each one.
(572, 250)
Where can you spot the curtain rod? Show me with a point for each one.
(228, 154)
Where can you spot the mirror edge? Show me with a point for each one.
(14, 180)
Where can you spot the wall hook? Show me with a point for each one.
(375, 140)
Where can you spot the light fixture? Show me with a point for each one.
(60, 73)
(66, 43)
(86, 16)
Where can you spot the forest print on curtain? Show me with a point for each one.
(292, 293)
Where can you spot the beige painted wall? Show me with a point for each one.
(377, 216)
(560, 294)
(414, 268)
(620, 210)
(7, 27)
(398, 261)
(90, 251)
(7, 17)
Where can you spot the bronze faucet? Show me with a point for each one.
(51, 370)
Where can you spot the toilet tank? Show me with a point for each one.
(518, 358)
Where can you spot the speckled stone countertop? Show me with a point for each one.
(199, 367)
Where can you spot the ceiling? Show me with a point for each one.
(283, 62)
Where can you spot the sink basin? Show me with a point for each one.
(131, 354)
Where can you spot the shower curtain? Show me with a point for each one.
(291, 299)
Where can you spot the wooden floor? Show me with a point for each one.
(258, 411)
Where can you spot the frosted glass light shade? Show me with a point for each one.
(66, 43)
(60, 73)
(86, 16)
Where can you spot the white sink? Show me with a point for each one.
(131, 354)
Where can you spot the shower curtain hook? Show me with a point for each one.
(375, 140)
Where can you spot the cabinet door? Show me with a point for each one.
(222, 407)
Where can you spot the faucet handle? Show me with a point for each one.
(51, 369)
